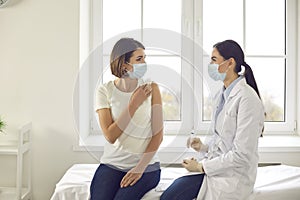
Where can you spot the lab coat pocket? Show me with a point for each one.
(229, 125)
(225, 184)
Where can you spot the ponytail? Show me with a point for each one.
(251, 81)
(250, 78)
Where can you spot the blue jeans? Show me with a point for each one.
(106, 184)
(183, 188)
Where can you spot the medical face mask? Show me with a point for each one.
(214, 73)
(139, 70)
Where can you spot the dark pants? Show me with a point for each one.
(106, 184)
(184, 188)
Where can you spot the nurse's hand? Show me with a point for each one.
(131, 178)
(195, 143)
(192, 165)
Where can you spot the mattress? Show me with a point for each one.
(272, 183)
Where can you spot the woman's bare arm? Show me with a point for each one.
(113, 129)
(157, 136)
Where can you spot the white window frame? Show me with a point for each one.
(289, 126)
(91, 22)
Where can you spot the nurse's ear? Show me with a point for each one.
(231, 63)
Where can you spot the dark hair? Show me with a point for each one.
(121, 53)
(231, 49)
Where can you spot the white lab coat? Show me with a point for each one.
(231, 162)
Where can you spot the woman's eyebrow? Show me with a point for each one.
(138, 57)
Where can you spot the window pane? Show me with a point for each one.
(107, 75)
(270, 77)
(159, 14)
(222, 20)
(171, 104)
(166, 72)
(157, 52)
(210, 88)
(164, 14)
(207, 104)
(120, 16)
(265, 27)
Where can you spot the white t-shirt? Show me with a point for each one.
(126, 152)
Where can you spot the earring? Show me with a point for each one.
(124, 71)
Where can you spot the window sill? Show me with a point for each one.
(172, 143)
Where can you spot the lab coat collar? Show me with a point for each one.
(227, 91)
(241, 83)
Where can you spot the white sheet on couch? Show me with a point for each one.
(272, 183)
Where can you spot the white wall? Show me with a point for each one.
(39, 45)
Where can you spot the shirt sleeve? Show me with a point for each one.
(101, 98)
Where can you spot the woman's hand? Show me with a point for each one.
(140, 95)
(131, 177)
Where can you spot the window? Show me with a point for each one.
(141, 23)
(266, 35)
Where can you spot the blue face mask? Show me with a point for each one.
(139, 70)
(214, 73)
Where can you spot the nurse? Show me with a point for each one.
(228, 170)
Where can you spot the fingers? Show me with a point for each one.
(196, 140)
(190, 164)
(192, 142)
(147, 89)
(125, 181)
(143, 86)
(134, 182)
(141, 94)
(129, 179)
(185, 163)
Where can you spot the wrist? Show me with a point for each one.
(200, 168)
(140, 168)
(132, 107)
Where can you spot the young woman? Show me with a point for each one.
(130, 116)
(228, 170)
